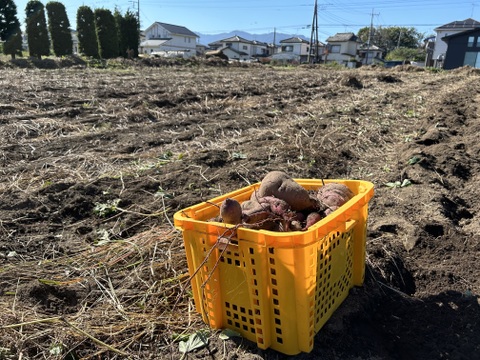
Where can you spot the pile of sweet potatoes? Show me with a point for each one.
(281, 204)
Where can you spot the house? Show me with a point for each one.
(201, 49)
(369, 54)
(74, 41)
(463, 49)
(241, 48)
(261, 49)
(443, 31)
(236, 43)
(294, 49)
(342, 48)
(167, 40)
(238, 48)
(228, 53)
(429, 46)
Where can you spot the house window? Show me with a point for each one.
(228, 44)
(288, 48)
(471, 41)
(472, 59)
(245, 47)
(335, 49)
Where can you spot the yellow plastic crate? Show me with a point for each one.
(275, 288)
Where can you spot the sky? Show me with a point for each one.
(294, 17)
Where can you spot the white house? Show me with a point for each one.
(228, 53)
(168, 40)
(369, 54)
(242, 49)
(454, 27)
(260, 49)
(342, 48)
(294, 49)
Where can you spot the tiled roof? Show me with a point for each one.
(294, 40)
(460, 24)
(236, 38)
(342, 37)
(176, 29)
(365, 46)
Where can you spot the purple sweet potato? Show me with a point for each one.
(231, 211)
(334, 195)
(277, 206)
(312, 218)
(282, 186)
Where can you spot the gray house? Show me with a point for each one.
(454, 27)
(463, 49)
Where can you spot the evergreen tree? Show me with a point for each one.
(87, 36)
(10, 31)
(119, 20)
(106, 33)
(59, 28)
(38, 41)
(130, 34)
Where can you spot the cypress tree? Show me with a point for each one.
(130, 31)
(38, 41)
(87, 36)
(59, 28)
(106, 33)
(10, 31)
(119, 20)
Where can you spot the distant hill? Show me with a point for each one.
(267, 38)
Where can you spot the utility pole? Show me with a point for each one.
(369, 38)
(314, 35)
(138, 10)
(274, 40)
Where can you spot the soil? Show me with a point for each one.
(95, 162)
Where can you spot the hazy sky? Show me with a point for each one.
(286, 16)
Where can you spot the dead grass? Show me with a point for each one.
(125, 292)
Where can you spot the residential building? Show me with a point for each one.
(169, 40)
(260, 49)
(201, 49)
(240, 48)
(228, 53)
(463, 49)
(429, 46)
(295, 49)
(443, 31)
(74, 41)
(342, 48)
(369, 54)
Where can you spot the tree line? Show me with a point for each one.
(101, 33)
(396, 42)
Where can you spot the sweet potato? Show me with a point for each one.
(277, 206)
(258, 214)
(334, 195)
(231, 211)
(282, 186)
(312, 218)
